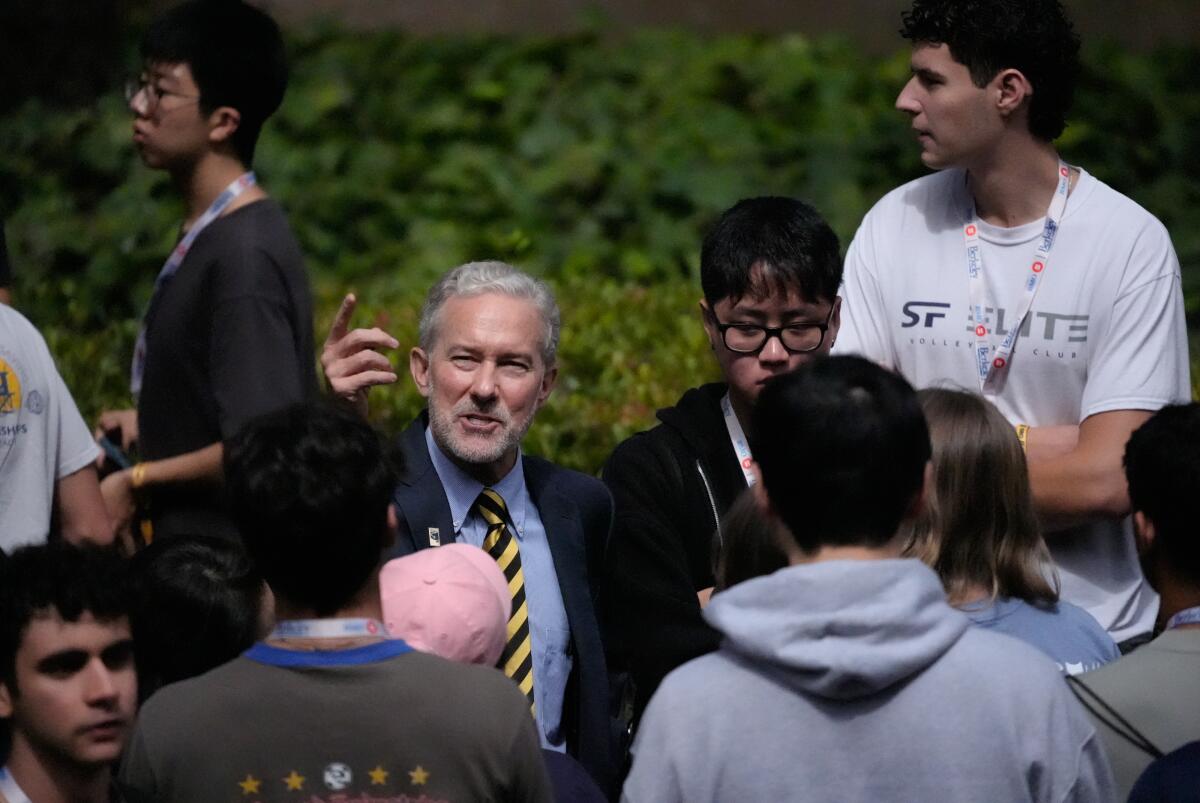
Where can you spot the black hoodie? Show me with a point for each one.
(670, 487)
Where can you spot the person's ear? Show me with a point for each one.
(222, 124)
(1143, 532)
(921, 497)
(6, 703)
(418, 366)
(1011, 89)
(835, 321)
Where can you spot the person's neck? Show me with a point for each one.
(890, 550)
(364, 605)
(967, 594)
(203, 181)
(1014, 184)
(48, 779)
(487, 473)
(1174, 597)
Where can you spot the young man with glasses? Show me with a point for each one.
(228, 331)
(770, 270)
(1011, 272)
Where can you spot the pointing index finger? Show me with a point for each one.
(341, 321)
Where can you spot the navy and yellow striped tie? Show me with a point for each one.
(517, 658)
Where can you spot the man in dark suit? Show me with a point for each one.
(486, 363)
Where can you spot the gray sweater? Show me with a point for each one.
(855, 681)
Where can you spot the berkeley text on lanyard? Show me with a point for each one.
(1188, 616)
(239, 185)
(328, 628)
(741, 447)
(8, 787)
(991, 358)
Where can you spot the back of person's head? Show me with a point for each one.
(236, 56)
(309, 487)
(57, 578)
(978, 528)
(748, 544)
(452, 601)
(842, 445)
(1162, 465)
(197, 604)
(1033, 36)
(769, 245)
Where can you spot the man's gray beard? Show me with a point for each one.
(475, 452)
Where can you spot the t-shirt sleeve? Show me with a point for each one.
(531, 782)
(864, 320)
(1141, 361)
(76, 448)
(254, 364)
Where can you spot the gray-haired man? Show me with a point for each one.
(485, 363)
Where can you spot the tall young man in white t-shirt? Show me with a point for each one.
(1087, 279)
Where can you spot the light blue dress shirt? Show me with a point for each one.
(549, 631)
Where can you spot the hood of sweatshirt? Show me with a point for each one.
(839, 629)
(698, 420)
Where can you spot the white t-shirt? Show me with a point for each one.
(1105, 332)
(42, 436)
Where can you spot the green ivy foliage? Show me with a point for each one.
(595, 162)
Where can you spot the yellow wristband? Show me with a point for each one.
(1023, 436)
(138, 476)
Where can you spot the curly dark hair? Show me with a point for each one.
(987, 36)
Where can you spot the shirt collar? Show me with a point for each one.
(462, 489)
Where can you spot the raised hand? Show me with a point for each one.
(351, 358)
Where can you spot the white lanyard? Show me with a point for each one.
(8, 787)
(1188, 616)
(741, 447)
(239, 185)
(328, 628)
(991, 358)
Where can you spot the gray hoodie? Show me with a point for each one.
(855, 681)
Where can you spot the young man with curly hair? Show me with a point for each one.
(1011, 272)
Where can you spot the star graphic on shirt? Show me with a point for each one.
(418, 776)
(294, 781)
(250, 785)
(378, 775)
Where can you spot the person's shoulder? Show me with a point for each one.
(574, 484)
(1102, 204)
(1006, 660)
(199, 695)
(923, 195)
(471, 686)
(695, 418)
(20, 330)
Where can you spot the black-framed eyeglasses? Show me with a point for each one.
(749, 338)
(154, 93)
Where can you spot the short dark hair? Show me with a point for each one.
(842, 445)
(1162, 465)
(236, 55)
(62, 578)
(748, 544)
(309, 487)
(196, 605)
(786, 239)
(987, 36)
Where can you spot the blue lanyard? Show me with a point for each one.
(328, 628)
(1188, 616)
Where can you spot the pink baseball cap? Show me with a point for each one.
(450, 600)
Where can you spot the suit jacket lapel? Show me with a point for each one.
(565, 536)
(420, 499)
